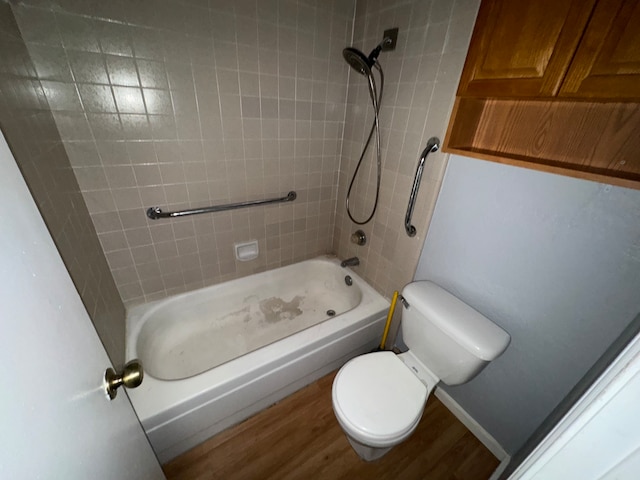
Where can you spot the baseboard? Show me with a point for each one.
(474, 427)
(501, 468)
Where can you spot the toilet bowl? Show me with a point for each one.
(378, 402)
(378, 398)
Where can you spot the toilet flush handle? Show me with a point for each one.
(404, 302)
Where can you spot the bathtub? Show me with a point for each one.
(217, 355)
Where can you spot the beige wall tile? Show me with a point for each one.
(46, 164)
(422, 74)
(241, 101)
(150, 94)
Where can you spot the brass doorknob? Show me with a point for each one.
(131, 377)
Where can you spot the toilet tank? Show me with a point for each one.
(453, 340)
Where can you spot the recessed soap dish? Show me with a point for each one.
(246, 251)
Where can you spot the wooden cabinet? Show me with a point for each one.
(554, 86)
(607, 62)
(523, 48)
(546, 48)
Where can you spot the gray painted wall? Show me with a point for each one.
(553, 260)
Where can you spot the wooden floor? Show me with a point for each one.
(299, 438)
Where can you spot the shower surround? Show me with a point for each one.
(421, 77)
(185, 104)
(182, 104)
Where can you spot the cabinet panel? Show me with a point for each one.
(607, 62)
(554, 86)
(592, 140)
(523, 49)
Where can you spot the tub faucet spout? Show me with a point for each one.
(350, 262)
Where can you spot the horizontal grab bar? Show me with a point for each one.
(432, 146)
(156, 212)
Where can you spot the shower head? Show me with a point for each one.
(358, 60)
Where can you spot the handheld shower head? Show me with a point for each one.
(357, 60)
(363, 65)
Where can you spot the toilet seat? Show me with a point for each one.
(377, 399)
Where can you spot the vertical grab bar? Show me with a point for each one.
(432, 146)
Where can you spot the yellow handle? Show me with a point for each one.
(389, 318)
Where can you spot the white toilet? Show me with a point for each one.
(378, 398)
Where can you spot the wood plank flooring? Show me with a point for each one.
(299, 438)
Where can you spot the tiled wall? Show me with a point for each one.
(181, 104)
(421, 78)
(30, 130)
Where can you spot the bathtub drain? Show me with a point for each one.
(331, 313)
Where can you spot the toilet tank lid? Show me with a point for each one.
(466, 326)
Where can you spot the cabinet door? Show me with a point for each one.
(607, 63)
(523, 48)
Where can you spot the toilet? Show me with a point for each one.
(378, 398)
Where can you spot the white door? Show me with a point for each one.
(599, 438)
(55, 420)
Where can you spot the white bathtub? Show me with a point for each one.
(216, 356)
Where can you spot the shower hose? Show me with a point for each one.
(376, 97)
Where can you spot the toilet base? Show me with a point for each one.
(367, 453)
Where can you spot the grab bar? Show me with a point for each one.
(156, 212)
(432, 146)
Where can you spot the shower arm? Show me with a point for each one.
(432, 146)
(373, 56)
